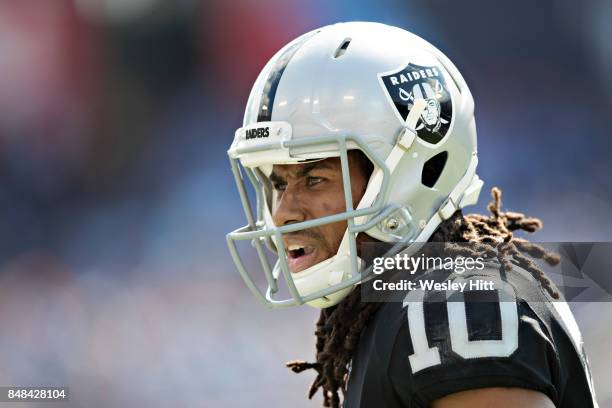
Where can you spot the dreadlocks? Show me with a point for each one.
(339, 327)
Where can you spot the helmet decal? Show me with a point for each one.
(403, 87)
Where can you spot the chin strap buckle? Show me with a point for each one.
(447, 209)
(406, 138)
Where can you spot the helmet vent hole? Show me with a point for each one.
(432, 169)
(342, 48)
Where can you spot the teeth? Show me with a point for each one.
(294, 247)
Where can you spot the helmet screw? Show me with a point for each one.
(422, 224)
(392, 224)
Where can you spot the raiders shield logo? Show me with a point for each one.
(417, 82)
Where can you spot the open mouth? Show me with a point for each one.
(300, 257)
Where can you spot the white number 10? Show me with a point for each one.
(425, 356)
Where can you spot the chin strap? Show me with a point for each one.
(404, 142)
(465, 193)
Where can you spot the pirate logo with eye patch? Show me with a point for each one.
(403, 87)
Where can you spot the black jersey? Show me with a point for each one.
(433, 345)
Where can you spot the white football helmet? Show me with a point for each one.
(364, 86)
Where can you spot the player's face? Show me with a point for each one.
(431, 112)
(312, 190)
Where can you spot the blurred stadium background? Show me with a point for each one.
(115, 192)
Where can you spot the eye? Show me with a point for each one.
(314, 180)
(279, 186)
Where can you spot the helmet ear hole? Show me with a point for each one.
(432, 169)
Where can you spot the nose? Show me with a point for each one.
(289, 207)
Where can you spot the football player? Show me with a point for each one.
(361, 132)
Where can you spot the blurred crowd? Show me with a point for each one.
(115, 191)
